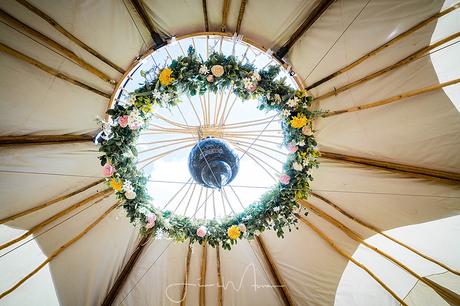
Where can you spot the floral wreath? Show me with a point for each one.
(192, 75)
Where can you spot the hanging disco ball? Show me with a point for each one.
(213, 163)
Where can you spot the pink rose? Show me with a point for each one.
(123, 121)
(284, 179)
(291, 148)
(252, 87)
(210, 78)
(151, 218)
(201, 231)
(108, 169)
(135, 125)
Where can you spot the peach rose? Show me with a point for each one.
(123, 121)
(217, 70)
(108, 170)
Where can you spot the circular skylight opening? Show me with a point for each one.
(164, 147)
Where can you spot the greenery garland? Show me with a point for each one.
(192, 75)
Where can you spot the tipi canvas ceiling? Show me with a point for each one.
(422, 131)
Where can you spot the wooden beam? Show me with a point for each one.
(413, 171)
(220, 299)
(279, 282)
(34, 229)
(159, 42)
(312, 17)
(384, 46)
(43, 139)
(358, 238)
(50, 202)
(22, 27)
(183, 295)
(407, 60)
(392, 99)
(69, 35)
(52, 71)
(123, 276)
(59, 250)
(225, 8)
(204, 259)
(344, 254)
(379, 231)
(205, 15)
(240, 15)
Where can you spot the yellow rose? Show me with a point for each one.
(233, 232)
(217, 70)
(116, 184)
(299, 121)
(165, 77)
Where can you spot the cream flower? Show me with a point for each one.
(217, 70)
(286, 112)
(292, 103)
(203, 70)
(307, 131)
(297, 166)
(130, 195)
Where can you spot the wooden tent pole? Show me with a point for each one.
(220, 299)
(225, 9)
(358, 238)
(123, 276)
(50, 202)
(279, 282)
(56, 216)
(398, 97)
(205, 15)
(204, 259)
(159, 42)
(183, 295)
(312, 17)
(69, 35)
(379, 231)
(61, 249)
(407, 60)
(43, 139)
(48, 69)
(240, 15)
(414, 171)
(347, 256)
(385, 45)
(20, 26)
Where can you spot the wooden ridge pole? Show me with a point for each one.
(220, 299)
(392, 99)
(205, 15)
(312, 17)
(183, 295)
(58, 251)
(19, 25)
(48, 69)
(240, 15)
(123, 276)
(159, 42)
(407, 60)
(50, 202)
(69, 35)
(413, 171)
(56, 216)
(385, 45)
(43, 139)
(204, 259)
(347, 256)
(280, 284)
(225, 9)
(379, 231)
(358, 238)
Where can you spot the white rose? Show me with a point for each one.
(217, 70)
(242, 227)
(130, 195)
(297, 166)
